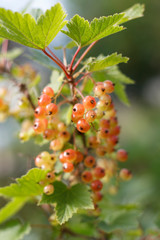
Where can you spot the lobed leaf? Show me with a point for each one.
(25, 30)
(68, 200)
(134, 12)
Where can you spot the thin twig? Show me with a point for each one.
(64, 57)
(73, 59)
(59, 91)
(86, 74)
(58, 60)
(79, 92)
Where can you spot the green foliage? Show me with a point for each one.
(68, 200)
(105, 62)
(56, 80)
(27, 186)
(14, 230)
(12, 54)
(84, 33)
(25, 30)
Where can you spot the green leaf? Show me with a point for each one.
(26, 186)
(11, 208)
(84, 33)
(134, 12)
(68, 200)
(14, 230)
(12, 54)
(88, 85)
(56, 80)
(69, 45)
(25, 30)
(105, 62)
(1, 40)
(120, 91)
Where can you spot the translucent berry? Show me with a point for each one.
(99, 172)
(89, 161)
(101, 151)
(45, 156)
(107, 98)
(69, 155)
(86, 177)
(104, 133)
(44, 100)
(83, 126)
(115, 131)
(39, 161)
(61, 158)
(40, 112)
(78, 109)
(109, 86)
(48, 91)
(47, 166)
(79, 157)
(96, 185)
(113, 122)
(125, 174)
(49, 134)
(40, 125)
(90, 116)
(122, 155)
(75, 118)
(49, 189)
(61, 126)
(97, 197)
(89, 102)
(56, 144)
(93, 142)
(68, 167)
(50, 177)
(51, 109)
(102, 105)
(104, 123)
(99, 89)
(112, 140)
(99, 113)
(64, 136)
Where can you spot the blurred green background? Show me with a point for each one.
(140, 122)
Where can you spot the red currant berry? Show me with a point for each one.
(61, 126)
(113, 122)
(39, 161)
(40, 112)
(64, 136)
(86, 177)
(99, 89)
(125, 174)
(104, 123)
(40, 125)
(93, 142)
(79, 157)
(89, 102)
(48, 91)
(56, 144)
(101, 151)
(115, 131)
(102, 105)
(49, 134)
(44, 100)
(49, 189)
(51, 109)
(90, 116)
(96, 185)
(78, 109)
(109, 86)
(50, 177)
(89, 161)
(97, 197)
(68, 167)
(122, 155)
(99, 172)
(104, 133)
(112, 140)
(69, 155)
(83, 126)
(61, 158)
(75, 118)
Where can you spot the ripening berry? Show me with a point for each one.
(64, 136)
(93, 142)
(78, 109)
(97, 197)
(24, 136)
(99, 113)
(96, 185)
(109, 86)
(79, 157)
(90, 116)
(104, 123)
(102, 105)
(47, 166)
(125, 174)
(112, 140)
(122, 155)
(86, 177)
(75, 118)
(107, 98)
(113, 122)
(104, 133)
(69, 155)
(99, 172)
(50, 177)
(39, 161)
(40, 125)
(51, 109)
(101, 151)
(115, 131)
(68, 167)
(89, 102)
(49, 134)
(40, 112)
(49, 189)
(56, 144)
(89, 161)
(45, 156)
(48, 91)
(53, 158)
(61, 126)
(99, 89)
(61, 158)
(83, 126)
(44, 100)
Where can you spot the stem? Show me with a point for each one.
(73, 59)
(86, 74)
(59, 92)
(61, 66)
(83, 55)
(4, 46)
(58, 60)
(79, 93)
(64, 57)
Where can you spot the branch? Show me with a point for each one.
(83, 55)
(58, 60)
(76, 53)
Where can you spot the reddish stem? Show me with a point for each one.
(83, 55)
(86, 74)
(79, 92)
(61, 66)
(58, 60)
(73, 59)
(4, 46)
